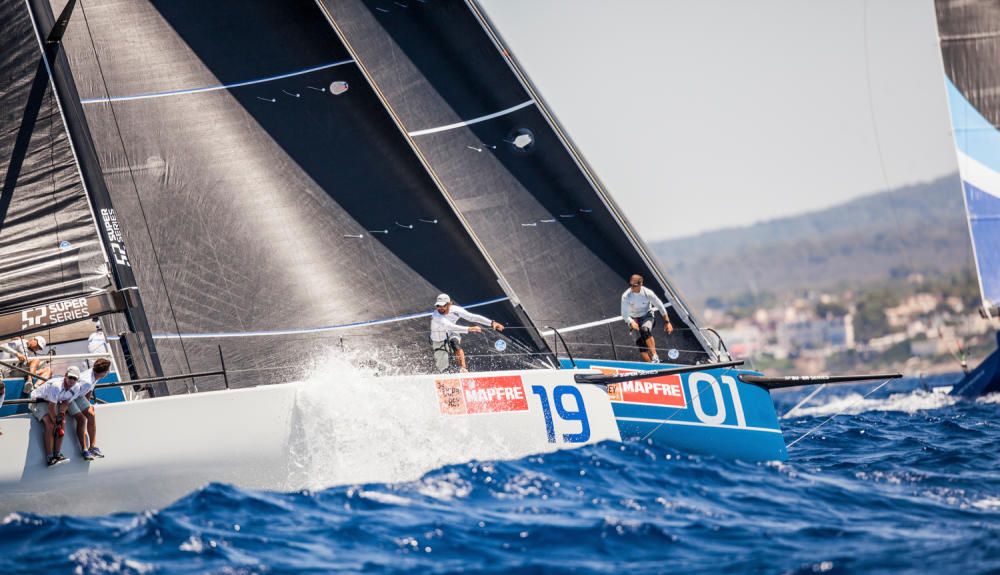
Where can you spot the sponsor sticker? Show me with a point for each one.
(664, 390)
(467, 395)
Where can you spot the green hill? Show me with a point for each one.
(914, 229)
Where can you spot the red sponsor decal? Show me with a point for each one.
(663, 390)
(481, 395)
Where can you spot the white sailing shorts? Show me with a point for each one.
(443, 351)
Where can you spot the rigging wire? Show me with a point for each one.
(841, 412)
(135, 186)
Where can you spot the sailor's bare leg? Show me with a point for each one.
(91, 426)
(460, 357)
(651, 349)
(81, 430)
(49, 435)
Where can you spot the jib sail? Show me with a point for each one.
(510, 171)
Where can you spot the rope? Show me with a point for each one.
(804, 401)
(841, 412)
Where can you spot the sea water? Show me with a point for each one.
(905, 481)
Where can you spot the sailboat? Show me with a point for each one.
(969, 34)
(255, 194)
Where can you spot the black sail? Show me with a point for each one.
(271, 205)
(527, 195)
(49, 244)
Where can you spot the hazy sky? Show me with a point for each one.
(722, 113)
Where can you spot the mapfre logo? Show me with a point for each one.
(34, 316)
(663, 390)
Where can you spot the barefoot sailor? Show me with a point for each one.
(445, 330)
(638, 304)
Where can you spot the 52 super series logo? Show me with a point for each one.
(55, 313)
(115, 239)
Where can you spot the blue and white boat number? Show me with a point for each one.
(577, 412)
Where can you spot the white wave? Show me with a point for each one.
(855, 403)
(987, 503)
(991, 398)
(383, 497)
(101, 561)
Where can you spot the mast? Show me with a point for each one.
(109, 228)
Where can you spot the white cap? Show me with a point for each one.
(73, 371)
(41, 342)
(442, 299)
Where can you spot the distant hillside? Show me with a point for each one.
(919, 228)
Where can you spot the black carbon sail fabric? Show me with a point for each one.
(970, 39)
(528, 197)
(49, 245)
(271, 206)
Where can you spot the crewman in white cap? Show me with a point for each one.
(445, 330)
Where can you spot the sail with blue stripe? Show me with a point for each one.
(970, 45)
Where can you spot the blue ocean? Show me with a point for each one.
(905, 480)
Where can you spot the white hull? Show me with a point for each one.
(287, 437)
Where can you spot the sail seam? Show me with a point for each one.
(472, 121)
(164, 94)
(314, 329)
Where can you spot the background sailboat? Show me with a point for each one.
(970, 46)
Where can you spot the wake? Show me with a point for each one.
(855, 403)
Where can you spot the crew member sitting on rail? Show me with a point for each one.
(24, 353)
(84, 398)
(445, 338)
(54, 399)
(638, 304)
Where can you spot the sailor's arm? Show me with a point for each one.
(476, 318)
(446, 325)
(658, 304)
(626, 313)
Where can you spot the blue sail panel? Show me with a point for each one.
(977, 142)
(984, 222)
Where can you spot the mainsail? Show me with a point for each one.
(501, 159)
(970, 45)
(49, 244)
(270, 205)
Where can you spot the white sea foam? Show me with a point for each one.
(991, 398)
(855, 403)
(987, 503)
(351, 426)
(100, 561)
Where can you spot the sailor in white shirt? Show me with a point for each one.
(445, 330)
(56, 398)
(638, 305)
(84, 388)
